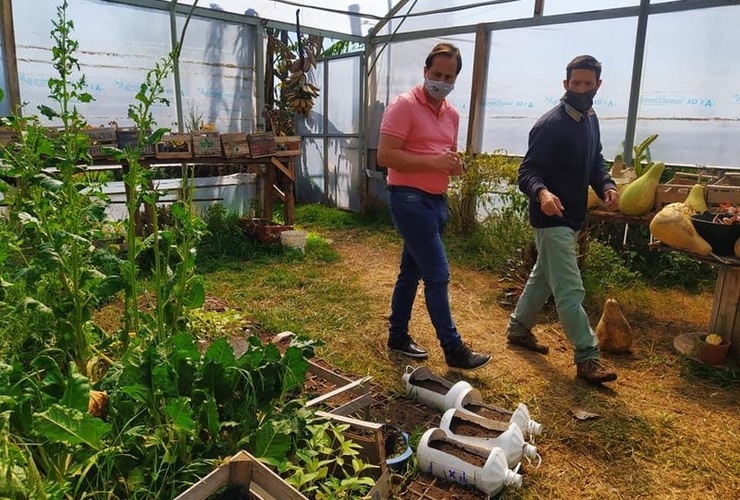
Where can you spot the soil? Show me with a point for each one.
(475, 459)
(431, 385)
(488, 412)
(463, 427)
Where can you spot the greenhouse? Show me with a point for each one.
(235, 234)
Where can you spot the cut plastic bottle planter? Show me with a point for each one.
(433, 391)
(488, 434)
(472, 404)
(444, 457)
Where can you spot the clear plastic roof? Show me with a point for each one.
(360, 18)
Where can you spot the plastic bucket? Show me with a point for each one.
(294, 239)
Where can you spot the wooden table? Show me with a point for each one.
(725, 316)
(724, 319)
(278, 175)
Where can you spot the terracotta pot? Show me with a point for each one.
(712, 354)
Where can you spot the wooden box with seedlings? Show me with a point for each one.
(128, 137)
(206, 144)
(101, 138)
(174, 146)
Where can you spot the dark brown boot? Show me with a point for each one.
(518, 335)
(593, 371)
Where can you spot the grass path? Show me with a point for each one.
(668, 428)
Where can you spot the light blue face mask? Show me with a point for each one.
(438, 90)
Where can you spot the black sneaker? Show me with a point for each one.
(407, 347)
(462, 358)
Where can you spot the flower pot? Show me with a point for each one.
(397, 448)
(710, 353)
(721, 237)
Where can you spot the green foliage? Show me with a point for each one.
(483, 179)
(56, 212)
(214, 324)
(326, 464)
(333, 219)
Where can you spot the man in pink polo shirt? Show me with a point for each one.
(418, 143)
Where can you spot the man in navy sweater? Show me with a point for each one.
(563, 159)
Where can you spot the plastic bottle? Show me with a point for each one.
(433, 391)
(472, 403)
(444, 457)
(478, 431)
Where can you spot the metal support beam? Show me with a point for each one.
(637, 63)
(539, 8)
(259, 81)
(176, 68)
(474, 142)
(380, 24)
(13, 94)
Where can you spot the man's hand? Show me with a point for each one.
(448, 162)
(611, 200)
(550, 204)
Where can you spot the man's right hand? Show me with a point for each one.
(448, 162)
(550, 204)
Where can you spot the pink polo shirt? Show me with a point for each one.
(424, 131)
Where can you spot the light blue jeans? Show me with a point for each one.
(556, 273)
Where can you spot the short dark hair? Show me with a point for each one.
(583, 62)
(444, 49)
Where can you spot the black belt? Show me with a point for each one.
(409, 189)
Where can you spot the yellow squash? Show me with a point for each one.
(673, 226)
(638, 197)
(695, 199)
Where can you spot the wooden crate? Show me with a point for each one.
(128, 137)
(8, 137)
(262, 144)
(725, 190)
(288, 142)
(235, 145)
(677, 189)
(206, 144)
(243, 469)
(97, 151)
(173, 146)
(101, 135)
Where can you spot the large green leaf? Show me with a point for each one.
(296, 367)
(77, 390)
(272, 442)
(195, 295)
(180, 414)
(72, 427)
(52, 382)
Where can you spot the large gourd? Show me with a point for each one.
(737, 248)
(673, 226)
(638, 197)
(613, 330)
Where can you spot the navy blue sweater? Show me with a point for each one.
(564, 156)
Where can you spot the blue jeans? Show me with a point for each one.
(420, 219)
(556, 272)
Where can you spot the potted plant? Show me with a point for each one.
(712, 349)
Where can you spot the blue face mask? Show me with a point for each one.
(438, 90)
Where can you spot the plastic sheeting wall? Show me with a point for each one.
(690, 93)
(119, 44)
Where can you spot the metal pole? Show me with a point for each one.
(259, 70)
(176, 66)
(634, 103)
(11, 61)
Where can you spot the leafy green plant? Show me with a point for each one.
(59, 214)
(326, 464)
(641, 154)
(484, 178)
